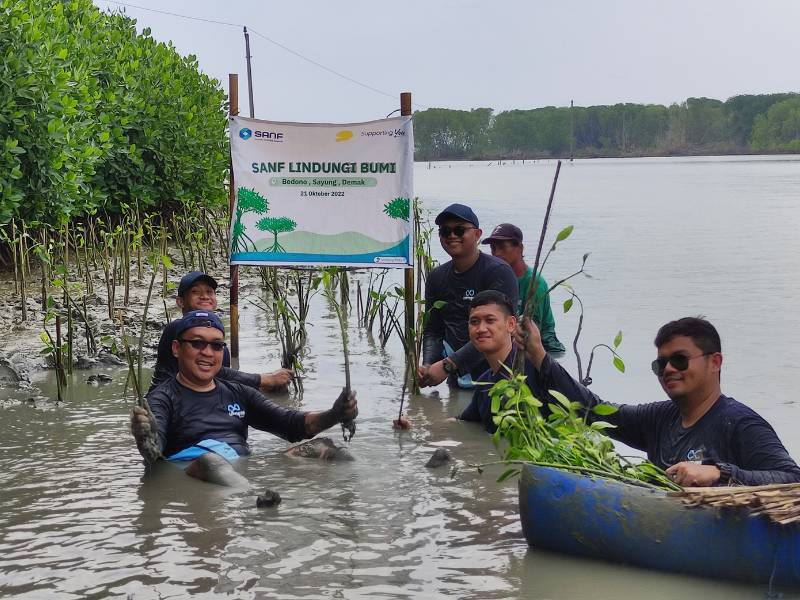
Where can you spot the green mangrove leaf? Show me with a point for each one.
(618, 362)
(604, 409)
(618, 339)
(564, 233)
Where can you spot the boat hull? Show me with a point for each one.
(601, 518)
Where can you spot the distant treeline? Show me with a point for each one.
(741, 124)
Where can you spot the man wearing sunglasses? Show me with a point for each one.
(506, 244)
(700, 436)
(449, 290)
(196, 412)
(198, 291)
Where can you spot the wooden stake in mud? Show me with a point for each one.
(233, 96)
(411, 359)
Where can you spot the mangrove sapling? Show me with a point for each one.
(563, 439)
(328, 281)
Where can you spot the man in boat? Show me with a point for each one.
(700, 436)
(506, 244)
(198, 291)
(449, 290)
(196, 411)
(492, 321)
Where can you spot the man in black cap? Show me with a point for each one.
(196, 412)
(506, 244)
(449, 289)
(198, 291)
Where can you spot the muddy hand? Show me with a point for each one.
(346, 407)
(145, 430)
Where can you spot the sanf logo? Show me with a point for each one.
(245, 133)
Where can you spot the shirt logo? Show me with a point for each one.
(696, 455)
(234, 410)
(469, 295)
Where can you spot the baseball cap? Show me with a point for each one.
(459, 211)
(198, 318)
(504, 231)
(188, 280)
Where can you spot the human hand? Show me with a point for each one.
(430, 375)
(401, 423)
(527, 336)
(276, 381)
(345, 407)
(692, 474)
(144, 430)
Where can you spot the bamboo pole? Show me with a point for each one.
(411, 358)
(233, 95)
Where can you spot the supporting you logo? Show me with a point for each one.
(344, 135)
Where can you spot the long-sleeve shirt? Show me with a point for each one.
(185, 417)
(449, 322)
(167, 365)
(729, 432)
(480, 408)
(542, 312)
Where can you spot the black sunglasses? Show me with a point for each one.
(458, 230)
(678, 360)
(202, 344)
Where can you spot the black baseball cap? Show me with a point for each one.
(504, 231)
(459, 211)
(188, 280)
(198, 318)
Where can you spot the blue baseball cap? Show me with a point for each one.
(188, 280)
(198, 318)
(459, 211)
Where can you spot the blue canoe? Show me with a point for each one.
(601, 518)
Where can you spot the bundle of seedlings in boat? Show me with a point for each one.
(329, 279)
(562, 435)
(779, 502)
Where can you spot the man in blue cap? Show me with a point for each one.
(449, 289)
(196, 412)
(198, 291)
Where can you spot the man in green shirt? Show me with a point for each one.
(506, 243)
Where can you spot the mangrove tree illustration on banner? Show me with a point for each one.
(322, 194)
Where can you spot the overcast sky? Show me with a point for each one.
(469, 54)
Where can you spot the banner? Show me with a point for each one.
(322, 194)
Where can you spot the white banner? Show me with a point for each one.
(322, 194)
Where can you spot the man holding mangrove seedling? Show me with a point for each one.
(506, 244)
(449, 290)
(198, 291)
(197, 412)
(492, 321)
(700, 436)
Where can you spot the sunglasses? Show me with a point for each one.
(458, 230)
(202, 344)
(678, 360)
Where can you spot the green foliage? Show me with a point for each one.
(694, 126)
(94, 116)
(564, 439)
(779, 129)
(399, 208)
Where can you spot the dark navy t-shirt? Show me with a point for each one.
(729, 432)
(449, 323)
(185, 417)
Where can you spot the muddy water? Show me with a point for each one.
(668, 238)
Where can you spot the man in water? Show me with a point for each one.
(506, 244)
(449, 289)
(196, 411)
(492, 321)
(198, 291)
(700, 436)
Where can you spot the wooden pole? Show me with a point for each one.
(405, 110)
(248, 56)
(233, 96)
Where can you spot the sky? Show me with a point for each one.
(348, 60)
